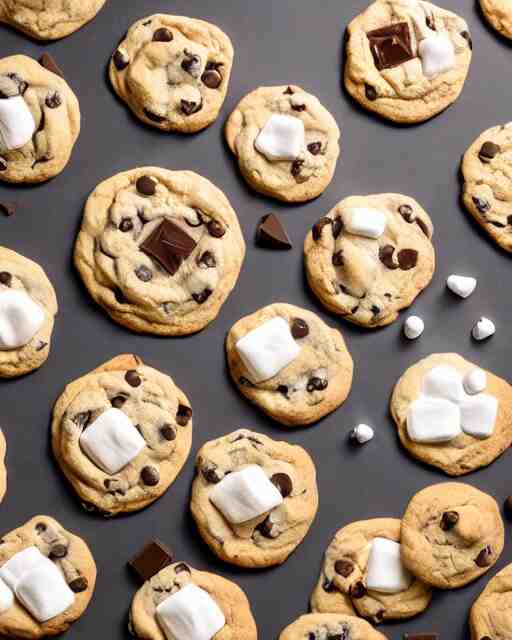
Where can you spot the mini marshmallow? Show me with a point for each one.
(362, 433)
(413, 327)
(475, 381)
(282, 138)
(190, 614)
(437, 54)
(243, 495)
(478, 415)
(20, 564)
(112, 441)
(6, 597)
(44, 592)
(385, 572)
(483, 328)
(362, 221)
(17, 124)
(463, 286)
(268, 349)
(20, 318)
(443, 382)
(432, 420)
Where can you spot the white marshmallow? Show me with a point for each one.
(6, 597)
(44, 592)
(243, 495)
(362, 433)
(463, 286)
(385, 572)
(437, 54)
(112, 441)
(443, 382)
(478, 415)
(475, 381)
(268, 349)
(20, 318)
(17, 124)
(282, 138)
(20, 564)
(190, 614)
(432, 420)
(483, 328)
(362, 221)
(413, 327)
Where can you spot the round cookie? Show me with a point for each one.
(48, 20)
(499, 15)
(3, 470)
(368, 280)
(26, 292)
(406, 60)
(39, 121)
(466, 451)
(342, 584)
(316, 382)
(491, 614)
(73, 560)
(331, 626)
(303, 164)
(173, 72)
(159, 250)
(270, 538)
(486, 192)
(231, 600)
(159, 411)
(451, 534)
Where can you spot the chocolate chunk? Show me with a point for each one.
(150, 476)
(509, 220)
(154, 117)
(207, 259)
(386, 256)
(288, 91)
(118, 401)
(133, 378)
(271, 234)
(449, 520)
(299, 107)
(82, 419)
(53, 100)
(316, 384)
(3, 164)
(391, 45)
(210, 474)
(283, 390)
(405, 210)
(169, 245)
(79, 584)
(297, 167)
(484, 558)
(423, 636)
(146, 185)
(168, 433)
(119, 296)
(189, 107)
(283, 482)
(337, 259)
(41, 527)
(357, 590)
(370, 92)
(314, 148)
(191, 63)
(482, 205)
(181, 568)
(430, 22)
(375, 309)
(467, 36)
(265, 528)
(299, 328)
(154, 557)
(162, 35)
(318, 227)
(407, 259)
(422, 226)
(212, 77)
(126, 224)
(215, 229)
(183, 415)
(488, 151)
(337, 227)
(121, 61)
(143, 273)
(344, 567)
(508, 507)
(58, 551)
(48, 62)
(199, 222)
(202, 296)
(7, 208)
(328, 586)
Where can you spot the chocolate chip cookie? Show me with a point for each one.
(406, 60)
(28, 306)
(343, 584)
(370, 257)
(307, 368)
(159, 250)
(286, 142)
(47, 578)
(445, 422)
(491, 614)
(270, 537)
(499, 15)
(173, 72)
(330, 626)
(121, 435)
(451, 534)
(3, 470)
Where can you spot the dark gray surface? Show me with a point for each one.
(289, 41)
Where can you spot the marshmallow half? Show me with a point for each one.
(20, 318)
(385, 572)
(17, 125)
(6, 597)
(437, 54)
(362, 221)
(282, 138)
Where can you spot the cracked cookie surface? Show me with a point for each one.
(159, 250)
(342, 588)
(451, 534)
(228, 596)
(384, 71)
(313, 385)
(269, 539)
(369, 280)
(491, 613)
(72, 557)
(499, 15)
(163, 417)
(330, 626)
(173, 72)
(310, 172)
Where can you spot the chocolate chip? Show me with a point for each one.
(202, 296)
(154, 557)
(300, 328)
(495, 223)
(316, 384)
(344, 567)
(407, 259)
(337, 259)
(181, 568)
(288, 91)
(53, 100)
(283, 482)
(429, 20)
(357, 590)
(215, 229)
(422, 226)
(508, 507)
(299, 107)
(386, 256)
(154, 117)
(58, 551)
(41, 527)
(133, 378)
(191, 63)
(328, 586)
(126, 224)
(488, 151)
(314, 148)
(119, 296)
(169, 245)
(79, 584)
(118, 401)
(199, 222)
(265, 528)
(82, 419)
(168, 432)
(5, 278)
(121, 61)
(183, 415)
(449, 520)
(207, 259)
(3, 164)
(467, 36)
(337, 227)
(370, 92)
(146, 186)
(283, 390)
(375, 309)
(212, 77)
(319, 226)
(405, 210)
(210, 475)
(48, 62)
(484, 558)
(271, 233)
(162, 35)
(297, 167)
(189, 107)
(482, 205)
(150, 476)
(143, 273)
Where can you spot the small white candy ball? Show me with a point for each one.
(475, 381)
(362, 433)
(483, 328)
(413, 327)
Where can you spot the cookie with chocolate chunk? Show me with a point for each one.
(499, 15)
(370, 257)
(173, 72)
(491, 613)
(151, 410)
(270, 537)
(159, 250)
(317, 626)
(451, 534)
(407, 60)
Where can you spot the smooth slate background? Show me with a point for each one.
(290, 41)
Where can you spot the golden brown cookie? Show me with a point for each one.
(316, 626)
(499, 15)
(491, 614)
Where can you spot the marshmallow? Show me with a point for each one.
(385, 572)
(44, 592)
(413, 327)
(268, 349)
(6, 597)
(20, 318)
(483, 329)
(362, 433)
(444, 382)
(20, 564)
(243, 495)
(17, 124)
(478, 415)
(190, 614)
(475, 381)
(361, 221)
(112, 441)
(282, 138)
(437, 54)
(461, 285)
(432, 420)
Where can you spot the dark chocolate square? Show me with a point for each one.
(169, 245)
(391, 45)
(154, 557)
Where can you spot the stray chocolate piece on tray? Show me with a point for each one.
(48, 62)
(154, 557)
(271, 233)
